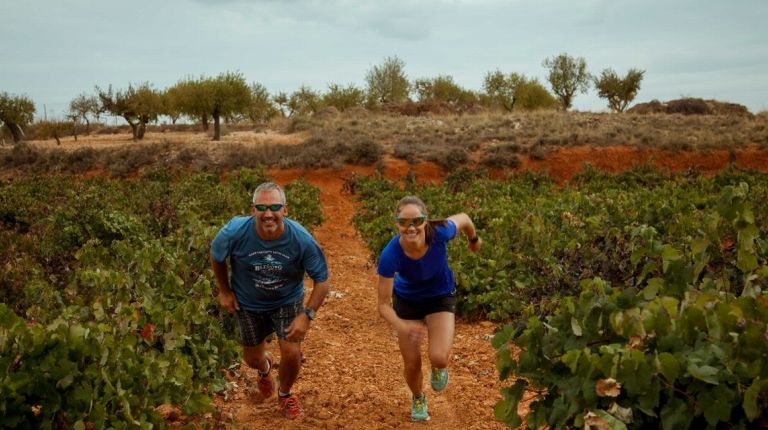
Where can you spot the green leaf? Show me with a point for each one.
(576, 327)
(717, 403)
(675, 415)
(668, 365)
(571, 359)
(652, 289)
(746, 261)
(502, 337)
(668, 255)
(506, 408)
(198, 403)
(751, 396)
(699, 245)
(704, 373)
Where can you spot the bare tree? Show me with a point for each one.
(83, 107)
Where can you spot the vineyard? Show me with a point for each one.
(629, 301)
(639, 298)
(107, 297)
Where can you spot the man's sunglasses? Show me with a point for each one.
(263, 208)
(407, 222)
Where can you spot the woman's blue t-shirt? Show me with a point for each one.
(425, 278)
(268, 274)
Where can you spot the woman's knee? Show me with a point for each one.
(412, 364)
(440, 359)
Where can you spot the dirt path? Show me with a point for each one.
(352, 377)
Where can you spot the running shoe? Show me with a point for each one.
(419, 409)
(439, 379)
(265, 382)
(291, 407)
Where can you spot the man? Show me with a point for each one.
(269, 254)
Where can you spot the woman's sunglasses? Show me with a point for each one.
(274, 208)
(407, 222)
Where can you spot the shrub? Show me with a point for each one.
(688, 106)
(364, 151)
(681, 350)
(450, 158)
(502, 156)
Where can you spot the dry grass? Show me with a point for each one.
(360, 137)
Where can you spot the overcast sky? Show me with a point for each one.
(54, 50)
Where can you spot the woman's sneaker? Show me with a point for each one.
(265, 382)
(290, 406)
(419, 409)
(439, 379)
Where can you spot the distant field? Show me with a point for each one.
(494, 141)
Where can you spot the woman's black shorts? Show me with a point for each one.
(410, 310)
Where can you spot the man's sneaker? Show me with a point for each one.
(290, 406)
(439, 379)
(265, 382)
(419, 409)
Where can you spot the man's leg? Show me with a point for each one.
(253, 330)
(290, 359)
(290, 363)
(256, 357)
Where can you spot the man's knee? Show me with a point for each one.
(254, 356)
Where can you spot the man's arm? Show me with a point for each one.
(300, 325)
(227, 298)
(319, 293)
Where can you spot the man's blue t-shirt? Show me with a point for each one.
(425, 278)
(268, 274)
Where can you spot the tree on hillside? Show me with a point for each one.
(281, 100)
(138, 105)
(225, 96)
(567, 75)
(15, 113)
(47, 129)
(172, 103)
(618, 91)
(442, 88)
(343, 98)
(531, 95)
(500, 89)
(387, 82)
(303, 101)
(188, 97)
(84, 107)
(516, 92)
(262, 108)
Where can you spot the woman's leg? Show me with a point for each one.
(441, 326)
(410, 348)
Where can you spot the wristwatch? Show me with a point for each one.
(310, 313)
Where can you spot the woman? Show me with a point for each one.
(417, 293)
